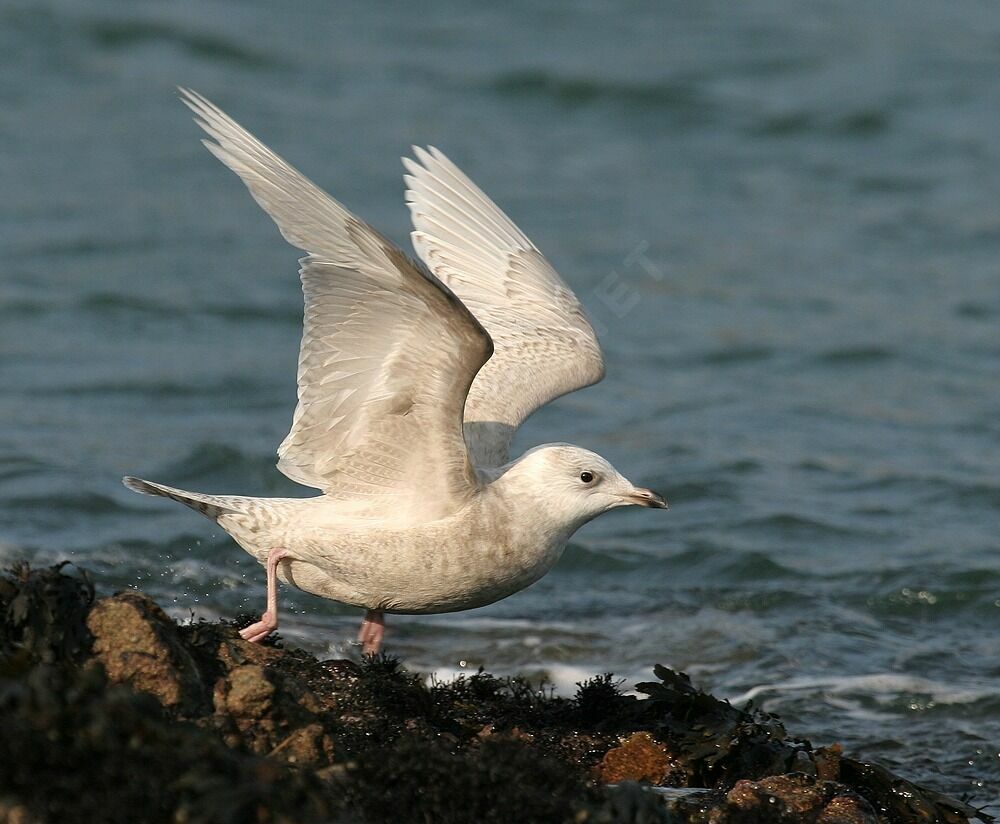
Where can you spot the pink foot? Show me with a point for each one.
(255, 633)
(372, 631)
(268, 623)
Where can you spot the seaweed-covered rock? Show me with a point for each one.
(717, 743)
(43, 614)
(847, 809)
(417, 780)
(308, 745)
(794, 797)
(897, 799)
(138, 644)
(109, 711)
(247, 693)
(273, 713)
(76, 748)
(639, 758)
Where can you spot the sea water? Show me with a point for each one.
(783, 218)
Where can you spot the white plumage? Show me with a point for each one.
(411, 381)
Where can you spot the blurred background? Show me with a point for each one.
(784, 218)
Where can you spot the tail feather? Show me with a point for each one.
(211, 506)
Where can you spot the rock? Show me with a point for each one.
(828, 762)
(900, 800)
(138, 645)
(43, 614)
(796, 794)
(234, 652)
(639, 758)
(794, 797)
(248, 692)
(513, 734)
(309, 745)
(847, 809)
(13, 813)
(272, 714)
(716, 743)
(204, 726)
(74, 748)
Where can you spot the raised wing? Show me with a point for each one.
(544, 344)
(388, 352)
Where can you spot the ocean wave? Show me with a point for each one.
(156, 389)
(735, 354)
(116, 34)
(976, 310)
(108, 303)
(725, 564)
(83, 246)
(892, 184)
(790, 525)
(577, 557)
(748, 566)
(114, 302)
(669, 95)
(855, 355)
(222, 465)
(923, 487)
(859, 123)
(21, 307)
(19, 466)
(884, 687)
(563, 679)
(930, 593)
(291, 315)
(91, 503)
(714, 489)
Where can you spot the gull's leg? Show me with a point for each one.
(371, 632)
(268, 622)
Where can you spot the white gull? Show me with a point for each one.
(412, 379)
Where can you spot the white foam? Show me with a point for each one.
(882, 685)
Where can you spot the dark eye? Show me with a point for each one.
(586, 477)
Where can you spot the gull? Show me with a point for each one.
(413, 375)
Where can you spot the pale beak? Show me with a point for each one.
(645, 497)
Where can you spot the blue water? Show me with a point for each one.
(785, 222)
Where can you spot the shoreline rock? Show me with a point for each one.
(109, 711)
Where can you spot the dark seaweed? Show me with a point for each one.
(276, 735)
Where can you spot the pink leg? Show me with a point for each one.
(372, 631)
(268, 622)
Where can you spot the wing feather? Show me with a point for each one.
(388, 351)
(544, 344)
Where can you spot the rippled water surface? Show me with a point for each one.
(785, 223)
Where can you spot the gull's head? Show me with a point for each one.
(579, 484)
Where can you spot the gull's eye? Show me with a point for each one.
(586, 477)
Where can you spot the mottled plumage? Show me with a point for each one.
(412, 378)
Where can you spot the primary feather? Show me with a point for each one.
(544, 345)
(388, 352)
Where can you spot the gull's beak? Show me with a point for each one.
(645, 497)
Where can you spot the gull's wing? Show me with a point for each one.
(388, 352)
(544, 344)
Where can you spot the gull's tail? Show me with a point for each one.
(211, 506)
